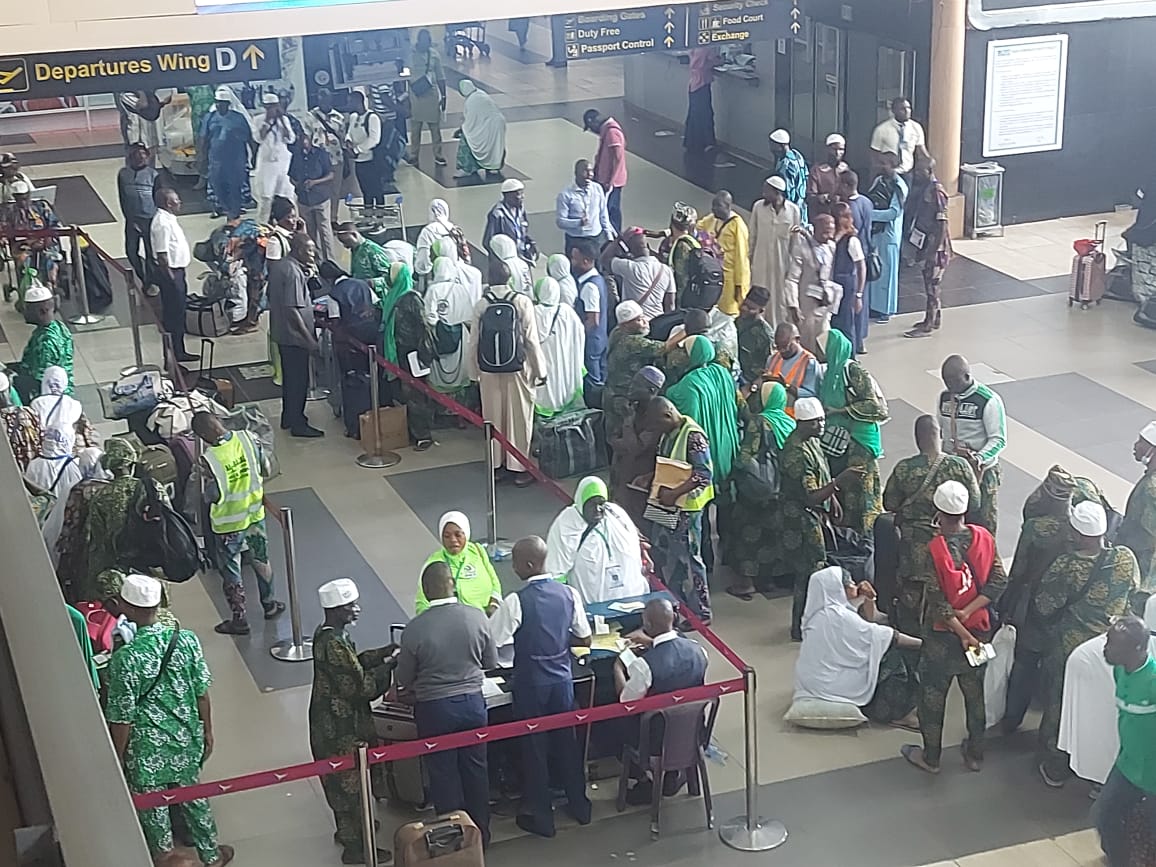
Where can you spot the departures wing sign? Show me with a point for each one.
(72, 73)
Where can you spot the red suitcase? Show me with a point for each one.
(452, 840)
(1089, 269)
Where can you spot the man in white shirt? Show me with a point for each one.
(900, 135)
(361, 141)
(581, 209)
(273, 134)
(543, 620)
(171, 249)
(642, 277)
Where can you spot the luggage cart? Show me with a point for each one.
(377, 221)
(465, 38)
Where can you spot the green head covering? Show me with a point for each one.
(118, 454)
(588, 488)
(699, 350)
(774, 397)
(446, 247)
(833, 394)
(399, 282)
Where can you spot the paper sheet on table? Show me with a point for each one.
(612, 642)
(492, 687)
(626, 607)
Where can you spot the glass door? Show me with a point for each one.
(817, 99)
(895, 77)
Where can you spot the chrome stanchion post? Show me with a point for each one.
(752, 832)
(134, 323)
(86, 317)
(368, 822)
(375, 458)
(497, 548)
(315, 392)
(298, 648)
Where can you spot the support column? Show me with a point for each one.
(945, 121)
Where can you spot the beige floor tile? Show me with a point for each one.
(1083, 847)
(1041, 853)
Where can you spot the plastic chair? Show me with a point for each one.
(686, 734)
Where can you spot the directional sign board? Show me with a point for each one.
(740, 21)
(34, 76)
(588, 35)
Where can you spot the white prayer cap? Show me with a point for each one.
(835, 138)
(809, 409)
(37, 292)
(627, 311)
(1148, 434)
(1088, 519)
(951, 498)
(778, 183)
(270, 98)
(781, 136)
(223, 94)
(338, 592)
(19, 187)
(512, 185)
(141, 591)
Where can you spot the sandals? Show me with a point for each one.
(741, 595)
(914, 755)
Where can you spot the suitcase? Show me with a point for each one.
(1089, 269)
(206, 317)
(161, 464)
(886, 539)
(452, 840)
(573, 444)
(355, 400)
(404, 780)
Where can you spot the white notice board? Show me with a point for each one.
(1024, 99)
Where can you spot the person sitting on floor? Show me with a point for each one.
(844, 655)
(595, 546)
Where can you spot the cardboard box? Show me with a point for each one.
(225, 395)
(394, 428)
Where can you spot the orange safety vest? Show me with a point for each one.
(795, 379)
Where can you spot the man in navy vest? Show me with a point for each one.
(667, 662)
(544, 619)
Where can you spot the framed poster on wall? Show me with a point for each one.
(1023, 110)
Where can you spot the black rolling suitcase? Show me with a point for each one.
(394, 723)
(355, 400)
(886, 539)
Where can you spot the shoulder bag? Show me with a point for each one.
(172, 646)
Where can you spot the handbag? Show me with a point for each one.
(758, 478)
(874, 267)
(420, 86)
(835, 441)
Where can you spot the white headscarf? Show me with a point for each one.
(840, 655)
(448, 298)
(558, 267)
(563, 341)
(504, 247)
(87, 466)
(54, 470)
(458, 518)
(54, 408)
(399, 251)
(483, 127)
(603, 562)
(468, 275)
(439, 226)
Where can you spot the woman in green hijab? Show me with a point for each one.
(708, 395)
(752, 549)
(855, 406)
(403, 331)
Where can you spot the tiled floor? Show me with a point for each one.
(846, 797)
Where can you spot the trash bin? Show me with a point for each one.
(982, 188)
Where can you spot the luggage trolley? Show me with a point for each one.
(377, 221)
(465, 38)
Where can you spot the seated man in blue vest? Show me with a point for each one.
(544, 619)
(665, 662)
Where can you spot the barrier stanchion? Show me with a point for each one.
(86, 316)
(315, 391)
(365, 791)
(298, 648)
(752, 832)
(376, 458)
(497, 548)
(134, 323)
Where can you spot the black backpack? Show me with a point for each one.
(500, 348)
(705, 285)
(158, 536)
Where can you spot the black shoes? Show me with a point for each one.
(306, 431)
(232, 627)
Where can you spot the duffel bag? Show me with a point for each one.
(174, 416)
(137, 392)
(248, 417)
(571, 444)
(205, 317)
(848, 549)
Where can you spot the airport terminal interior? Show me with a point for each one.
(1077, 385)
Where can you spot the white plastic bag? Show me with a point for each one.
(995, 679)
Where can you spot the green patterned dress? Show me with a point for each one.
(803, 470)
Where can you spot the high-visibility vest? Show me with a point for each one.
(695, 502)
(237, 471)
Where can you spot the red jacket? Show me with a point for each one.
(962, 584)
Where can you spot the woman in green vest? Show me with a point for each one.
(475, 581)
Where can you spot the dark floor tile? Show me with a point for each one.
(444, 175)
(51, 156)
(454, 77)
(77, 203)
(1060, 284)
(508, 49)
(1149, 366)
(16, 138)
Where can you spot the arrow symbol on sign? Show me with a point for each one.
(668, 41)
(254, 55)
(794, 26)
(668, 27)
(795, 13)
(668, 12)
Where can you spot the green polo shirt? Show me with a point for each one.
(1136, 709)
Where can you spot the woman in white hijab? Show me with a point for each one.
(439, 226)
(842, 647)
(595, 545)
(53, 470)
(558, 267)
(563, 338)
(399, 251)
(449, 308)
(54, 408)
(504, 248)
(471, 277)
(482, 146)
(1088, 732)
(88, 465)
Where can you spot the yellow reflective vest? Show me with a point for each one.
(236, 468)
